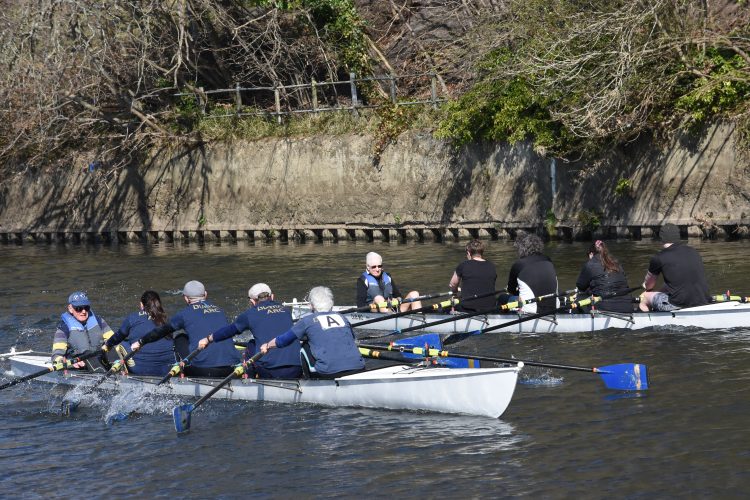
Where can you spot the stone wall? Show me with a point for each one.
(288, 187)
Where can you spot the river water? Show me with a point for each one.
(564, 435)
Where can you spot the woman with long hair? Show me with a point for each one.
(157, 357)
(602, 275)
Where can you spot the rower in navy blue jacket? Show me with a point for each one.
(198, 319)
(156, 358)
(265, 318)
(329, 338)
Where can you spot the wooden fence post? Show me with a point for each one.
(433, 89)
(199, 98)
(237, 99)
(277, 99)
(393, 89)
(354, 92)
(314, 96)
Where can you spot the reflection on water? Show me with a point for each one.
(564, 434)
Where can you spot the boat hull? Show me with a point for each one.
(482, 392)
(721, 315)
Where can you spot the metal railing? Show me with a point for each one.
(313, 97)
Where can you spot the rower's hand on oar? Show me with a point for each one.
(135, 346)
(203, 343)
(77, 364)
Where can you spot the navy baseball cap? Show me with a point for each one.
(79, 299)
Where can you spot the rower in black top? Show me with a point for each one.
(603, 276)
(681, 266)
(533, 275)
(475, 276)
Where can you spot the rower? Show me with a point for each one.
(375, 286)
(197, 319)
(79, 331)
(329, 350)
(685, 282)
(476, 276)
(266, 318)
(602, 275)
(532, 275)
(157, 358)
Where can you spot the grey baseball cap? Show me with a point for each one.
(194, 289)
(257, 290)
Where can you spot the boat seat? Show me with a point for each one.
(307, 361)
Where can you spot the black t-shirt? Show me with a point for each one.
(532, 276)
(684, 275)
(477, 277)
(595, 280)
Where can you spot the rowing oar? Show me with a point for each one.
(54, 367)
(177, 367)
(621, 377)
(13, 352)
(394, 303)
(66, 408)
(726, 297)
(374, 307)
(457, 337)
(181, 414)
(433, 307)
(456, 317)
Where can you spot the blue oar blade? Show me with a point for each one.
(117, 417)
(625, 377)
(181, 416)
(431, 339)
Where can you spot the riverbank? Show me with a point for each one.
(421, 188)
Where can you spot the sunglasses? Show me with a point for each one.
(377, 266)
(81, 308)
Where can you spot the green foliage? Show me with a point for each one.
(344, 28)
(550, 223)
(503, 110)
(589, 220)
(187, 113)
(624, 187)
(577, 78)
(722, 88)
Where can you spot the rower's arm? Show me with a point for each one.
(455, 280)
(156, 334)
(649, 281)
(60, 342)
(285, 339)
(224, 333)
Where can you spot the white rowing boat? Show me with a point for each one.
(718, 315)
(483, 392)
